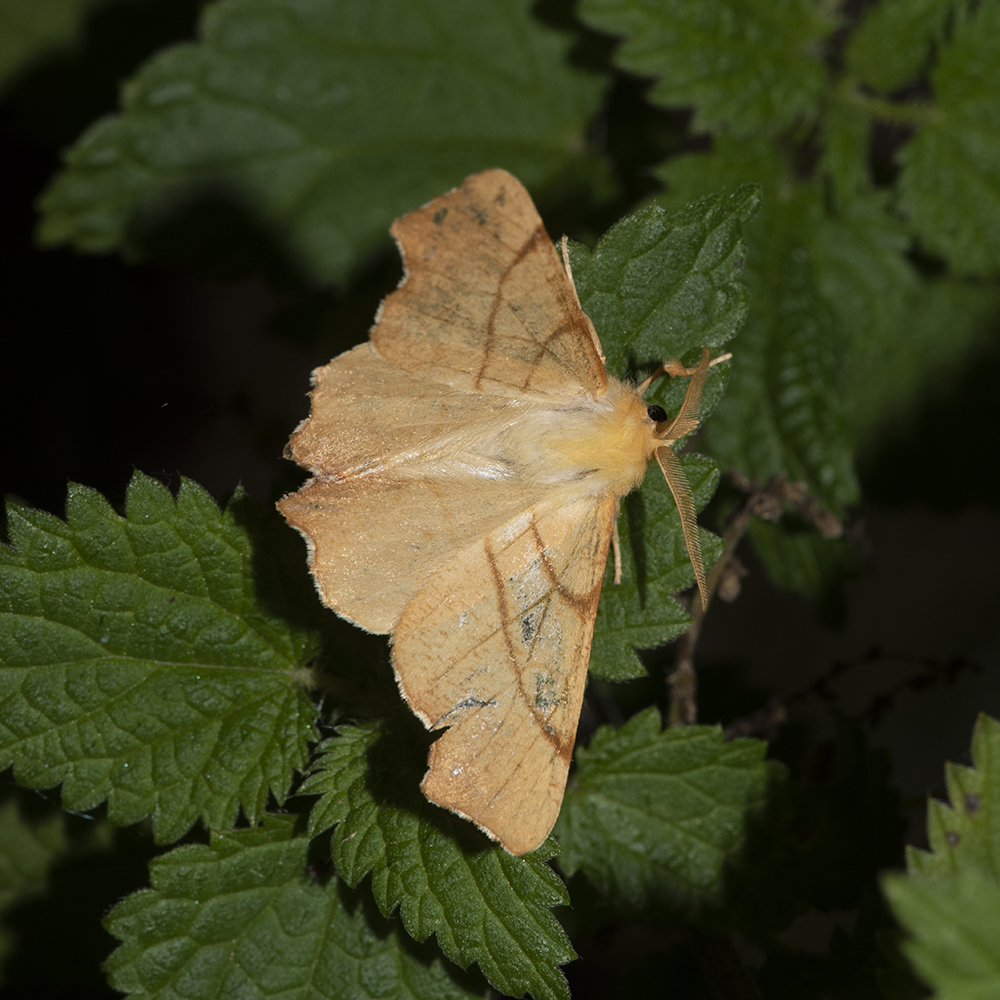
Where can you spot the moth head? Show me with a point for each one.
(658, 428)
(667, 430)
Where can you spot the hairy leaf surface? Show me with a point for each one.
(651, 816)
(641, 612)
(242, 917)
(138, 664)
(483, 904)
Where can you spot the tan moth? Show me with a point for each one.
(467, 466)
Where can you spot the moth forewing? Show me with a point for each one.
(486, 305)
(495, 648)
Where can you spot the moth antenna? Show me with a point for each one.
(616, 549)
(564, 247)
(676, 479)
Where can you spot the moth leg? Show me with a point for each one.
(686, 421)
(675, 369)
(671, 367)
(616, 549)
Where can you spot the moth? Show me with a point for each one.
(467, 464)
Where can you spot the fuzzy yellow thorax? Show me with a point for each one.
(602, 446)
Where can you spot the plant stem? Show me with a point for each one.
(902, 112)
(683, 682)
(765, 502)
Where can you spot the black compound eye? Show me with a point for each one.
(656, 413)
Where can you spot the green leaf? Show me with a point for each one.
(846, 138)
(784, 406)
(29, 29)
(801, 560)
(640, 612)
(327, 120)
(240, 918)
(966, 834)
(950, 182)
(892, 45)
(27, 851)
(832, 305)
(886, 328)
(660, 285)
(863, 276)
(483, 904)
(949, 900)
(652, 816)
(941, 325)
(138, 665)
(956, 931)
(746, 66)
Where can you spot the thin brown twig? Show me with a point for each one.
(765, 722)
(683, 682)
(934, 670)
(767, 503)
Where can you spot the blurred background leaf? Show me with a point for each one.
(324, 122)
